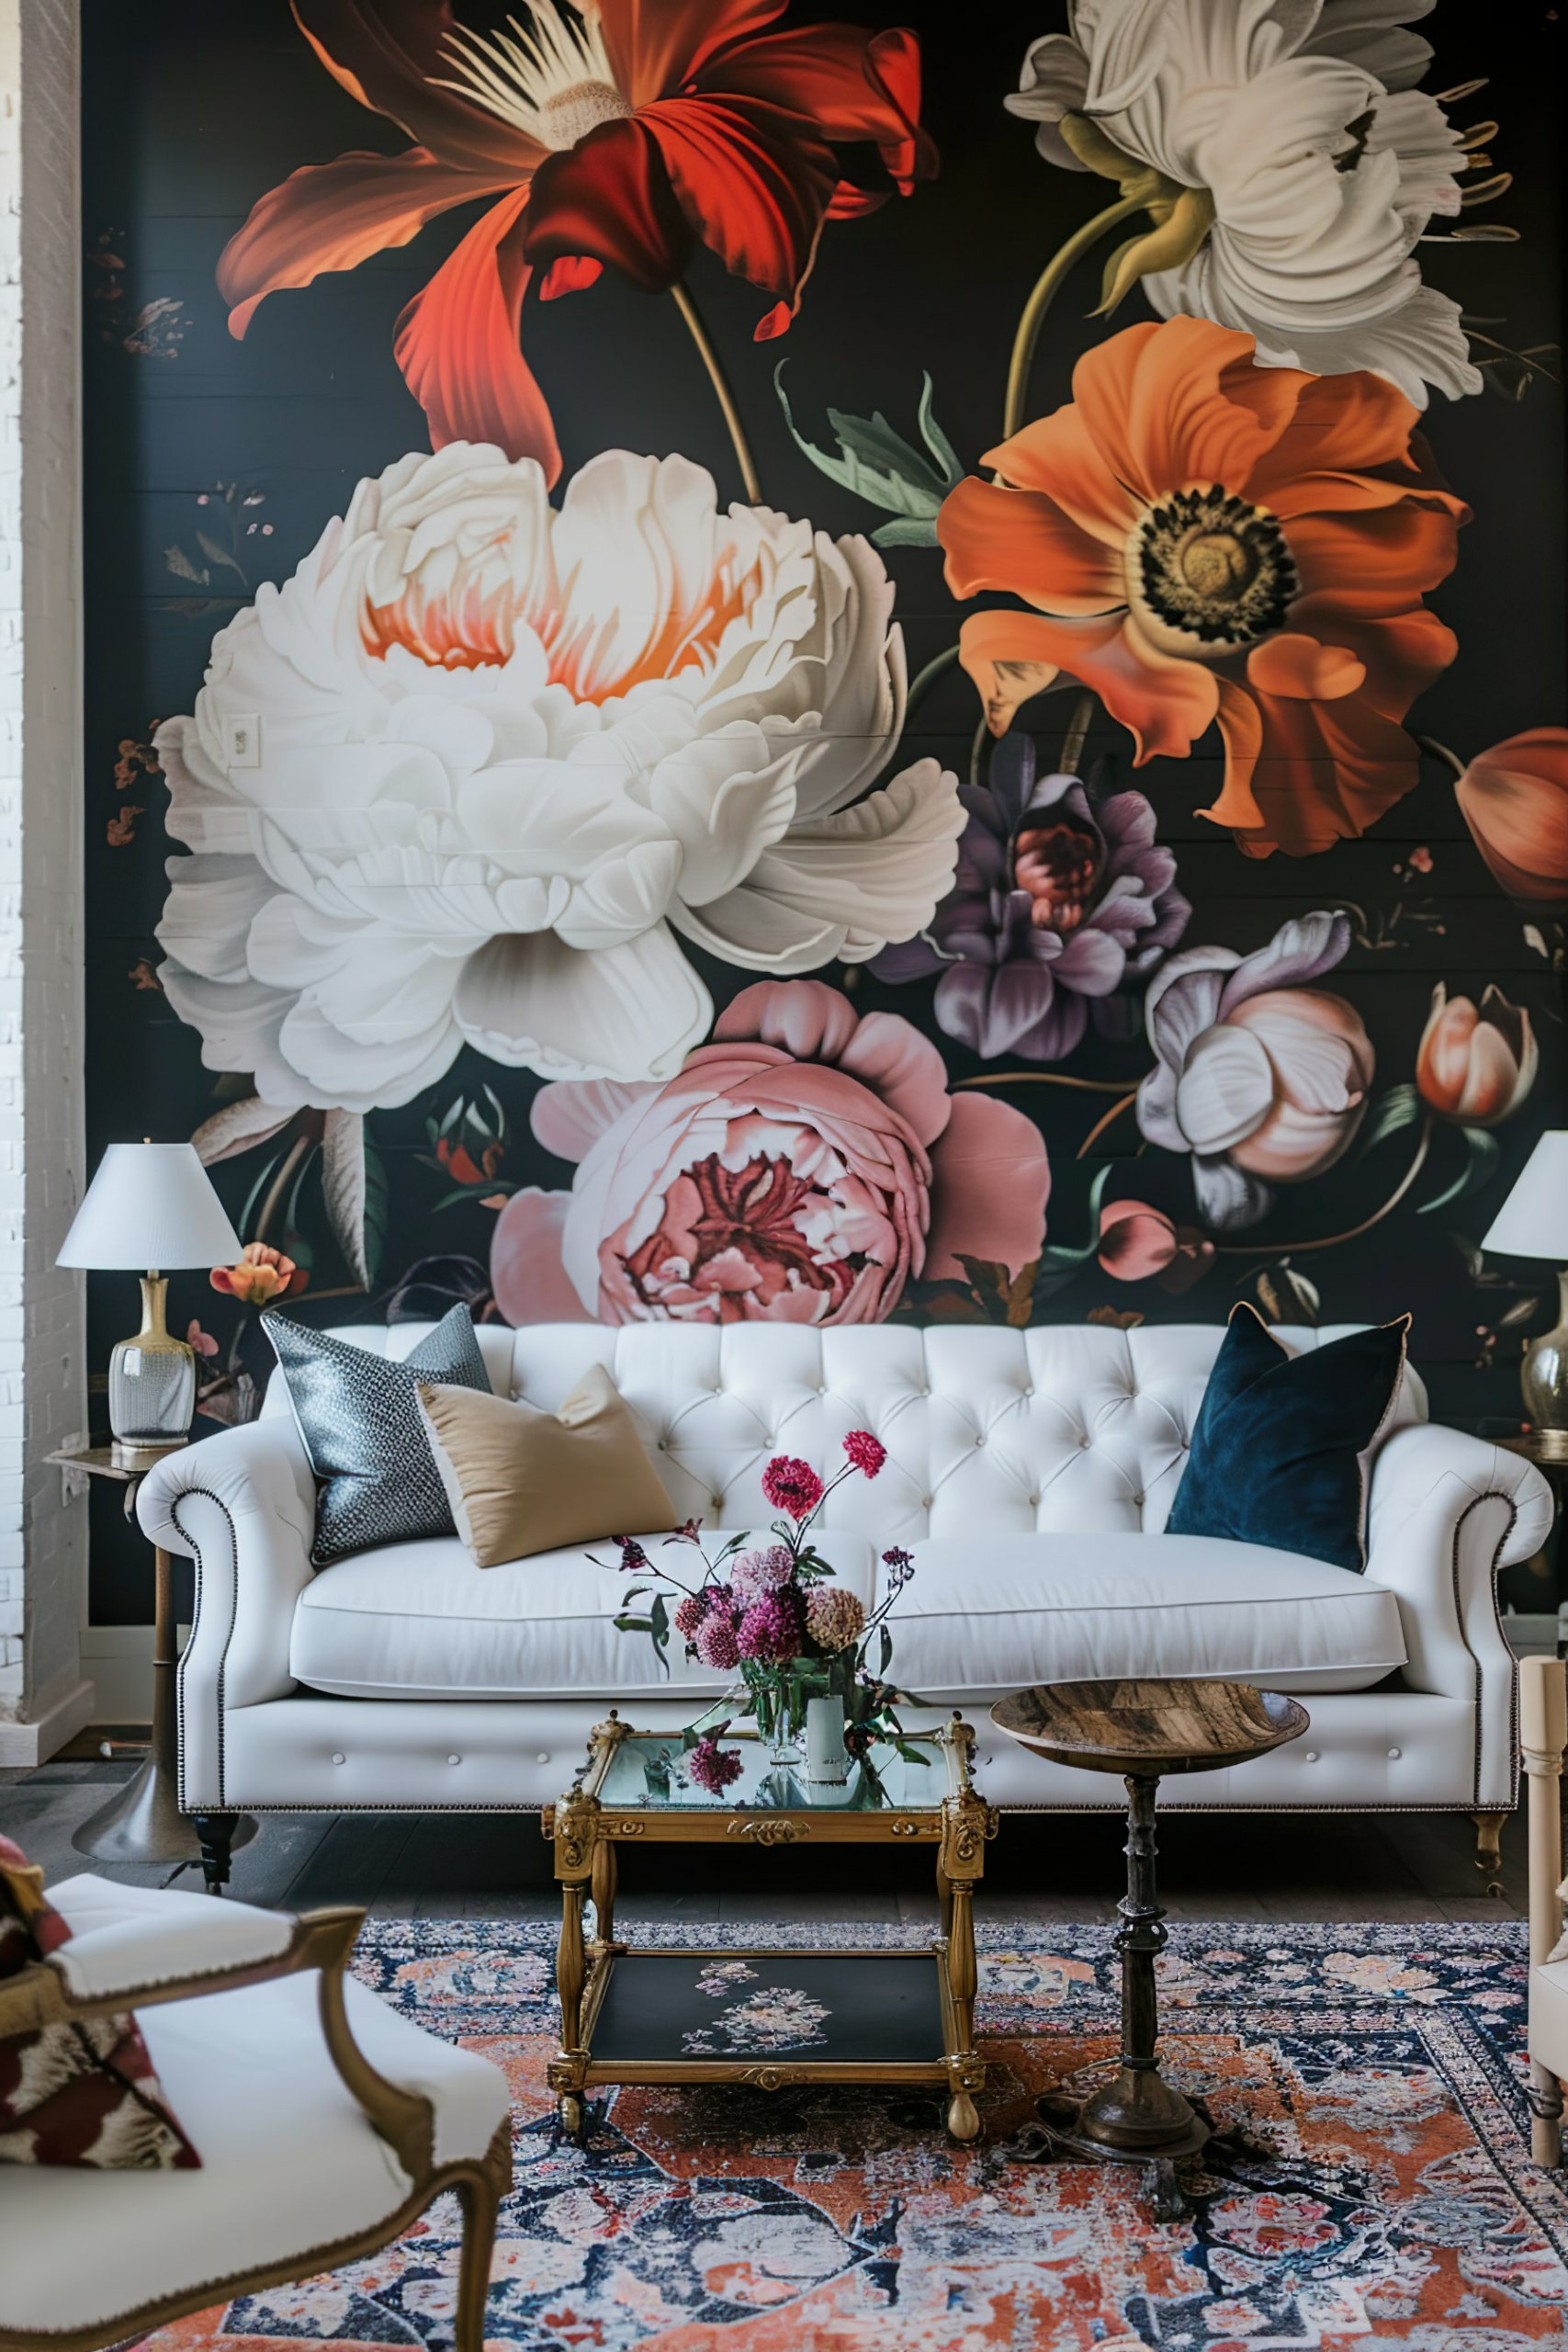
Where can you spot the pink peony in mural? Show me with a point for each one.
(622, 133)
(1262, 1078)
(496, 755)
(801, 1169)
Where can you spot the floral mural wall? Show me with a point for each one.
(746, 666)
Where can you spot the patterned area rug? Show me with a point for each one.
(1380, 2068)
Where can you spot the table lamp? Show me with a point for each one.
(1533, 1223)
(151, 1205)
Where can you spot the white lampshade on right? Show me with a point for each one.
(1533, 1223)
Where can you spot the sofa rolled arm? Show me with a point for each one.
(1448, 1511)
(243, 1506)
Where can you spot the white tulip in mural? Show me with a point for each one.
(1263, 1078)
(1288, 163)
(463, 777)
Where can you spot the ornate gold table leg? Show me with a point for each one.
(968, 1823)
(578, 1848)
(604, 1884)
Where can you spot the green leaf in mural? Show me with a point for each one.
(1398, 1108)
(1481, 1156)
(215, 554)
(180, 564)
(353, 1184)
(878, 465)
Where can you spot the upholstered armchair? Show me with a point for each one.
(1543, 1731)
(325, 2124)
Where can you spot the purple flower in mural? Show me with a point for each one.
(1055, 902)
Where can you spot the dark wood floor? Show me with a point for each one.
(1394, 1867)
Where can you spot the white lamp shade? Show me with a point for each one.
(1533, 1220)
(150, 1205)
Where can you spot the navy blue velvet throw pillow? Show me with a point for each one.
(1276, 1452)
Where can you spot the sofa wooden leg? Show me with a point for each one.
(1546, 2115)
(480, 2199)
(216, 1833)
(1489, 1847)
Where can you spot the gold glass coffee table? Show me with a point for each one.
(767, 2018)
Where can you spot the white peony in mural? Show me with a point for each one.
(503, 754)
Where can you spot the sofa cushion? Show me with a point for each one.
(983, 1617)
(419, 1621)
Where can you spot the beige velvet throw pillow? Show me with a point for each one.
(520, 1481)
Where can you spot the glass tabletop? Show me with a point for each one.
(651, 1768)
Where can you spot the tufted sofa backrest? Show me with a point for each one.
(1065, 1428)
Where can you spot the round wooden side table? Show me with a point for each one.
(1142, 1730)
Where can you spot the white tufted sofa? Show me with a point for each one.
(1031, 1474)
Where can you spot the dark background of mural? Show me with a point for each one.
(192, 112)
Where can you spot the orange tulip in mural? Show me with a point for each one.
(626, 134)
(1515, 800)
(1207, 541)
(1476, 1067)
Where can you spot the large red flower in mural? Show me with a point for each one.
(623, 135)
(1205, 540)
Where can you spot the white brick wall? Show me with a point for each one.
(43, 1389)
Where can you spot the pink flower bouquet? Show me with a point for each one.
(772, 1614)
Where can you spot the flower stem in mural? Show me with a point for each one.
(1106, 1119)
(1351, 1233)
(925, 679)
(1076, 736)
(1441, 751)
(1043, 1078)
(720, 383)
(277, 1190)
(1046, 286)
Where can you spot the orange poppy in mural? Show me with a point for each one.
(1210, 541)
(626, 134)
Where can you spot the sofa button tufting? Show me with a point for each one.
(1394, 1754)
(338, 1757)
(980, 1437)
(542, 1757)
(1309, 1756)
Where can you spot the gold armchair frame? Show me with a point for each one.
(1543, 1731)
(39, 1995)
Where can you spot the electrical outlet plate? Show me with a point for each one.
(242, 739)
